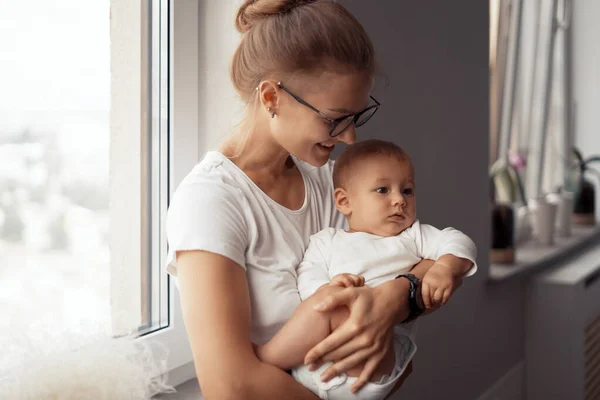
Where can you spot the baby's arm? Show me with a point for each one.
(455, 255)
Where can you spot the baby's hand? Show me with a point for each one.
(347, 280)
(437, 285)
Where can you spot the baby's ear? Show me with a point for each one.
(342, 201)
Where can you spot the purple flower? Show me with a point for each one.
(517, 161)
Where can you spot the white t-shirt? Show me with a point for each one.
(378, 259)
(217, 208)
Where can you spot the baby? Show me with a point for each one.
(375, 189)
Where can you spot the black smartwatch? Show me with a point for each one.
(415, 301)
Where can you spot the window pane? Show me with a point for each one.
(54, 166)
(154, 279)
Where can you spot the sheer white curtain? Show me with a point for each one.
(530, 106)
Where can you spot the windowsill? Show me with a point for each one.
(186, 391)
(532, 257)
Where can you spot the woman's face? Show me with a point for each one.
(303, 132)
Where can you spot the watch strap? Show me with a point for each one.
(413, 294)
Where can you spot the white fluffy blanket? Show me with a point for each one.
(73, 367)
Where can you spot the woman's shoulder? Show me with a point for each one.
(212, 176)
(210, 187)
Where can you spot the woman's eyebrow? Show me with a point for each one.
(346, 111)
(341, 110)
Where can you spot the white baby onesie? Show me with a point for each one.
(378, 259)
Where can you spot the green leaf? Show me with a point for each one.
(592, 160)
(504, 187)
(594, 172)
(578, 156)
(498, 167)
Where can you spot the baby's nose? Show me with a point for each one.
(398, 199)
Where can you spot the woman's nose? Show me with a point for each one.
(349, 135)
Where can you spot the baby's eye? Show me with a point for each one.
(382, 190)
(407, 192)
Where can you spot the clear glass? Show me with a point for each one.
(362, 119)
(54, 169)
(155, 282)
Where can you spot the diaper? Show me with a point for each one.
(338, 388)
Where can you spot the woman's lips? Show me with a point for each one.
(326, 147)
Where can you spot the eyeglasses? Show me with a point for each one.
(339, 125)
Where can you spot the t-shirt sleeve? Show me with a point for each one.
(433, 243)
(206, 214)
(313, 271)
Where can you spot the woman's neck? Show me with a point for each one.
(270, 167)
(261, 154)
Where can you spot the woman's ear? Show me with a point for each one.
(342, 201)
(268, 94)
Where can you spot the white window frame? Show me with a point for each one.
(183, 155)
(203, 108)
(127, 174)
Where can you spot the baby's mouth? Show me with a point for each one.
(398, 215)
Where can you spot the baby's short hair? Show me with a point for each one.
(361, 151)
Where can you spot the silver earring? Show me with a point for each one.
(272, 112)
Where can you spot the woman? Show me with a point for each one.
(240, 221)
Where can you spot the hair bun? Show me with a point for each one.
(254, 11)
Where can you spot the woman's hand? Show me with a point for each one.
(365, 337)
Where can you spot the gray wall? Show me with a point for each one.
(586, 81)
(435, 56)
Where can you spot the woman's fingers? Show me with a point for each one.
(343, 334)
(346, 349)
(368, 370)
(341, 298)
(347, 363)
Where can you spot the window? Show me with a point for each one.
(537, 190)
(54, 167)
(155, 287)
(203, 108)
(530, 84)
(84, 168)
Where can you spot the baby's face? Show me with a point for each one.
(381, 196)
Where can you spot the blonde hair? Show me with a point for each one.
(282, 38)
(362, 151)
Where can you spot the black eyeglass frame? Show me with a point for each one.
(335, 122)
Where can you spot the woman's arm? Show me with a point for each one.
(216, 310)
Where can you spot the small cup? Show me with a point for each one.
(564, 203)
(543, 220)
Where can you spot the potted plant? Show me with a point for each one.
(584, 207)
(506, 193)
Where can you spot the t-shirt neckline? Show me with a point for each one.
(239, 171)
